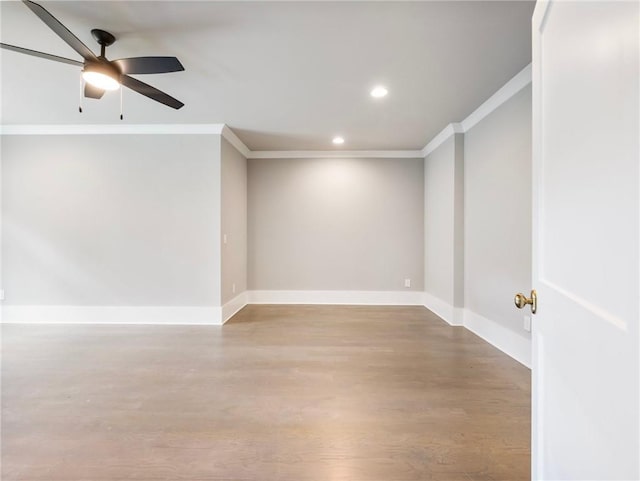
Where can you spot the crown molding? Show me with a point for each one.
(234, 140)
(511, 88)
(438, 140)
(335, 154)
(113, 129)
(201, 129)
(508, 90)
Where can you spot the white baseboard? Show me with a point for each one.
(366, 298)
(230, 308)
(112, 315)
(516, 346)
(512, 344)
(452, 315)
(508, 341)
(208, 315)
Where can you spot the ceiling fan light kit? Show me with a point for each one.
(99, 73)
(101, 76)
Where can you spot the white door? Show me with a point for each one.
(586, 212)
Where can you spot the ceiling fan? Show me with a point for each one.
(99, 73)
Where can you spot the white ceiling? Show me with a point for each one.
(282, 75)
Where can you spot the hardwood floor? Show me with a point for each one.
(279, 393)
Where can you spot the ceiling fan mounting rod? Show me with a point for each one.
(103, 38)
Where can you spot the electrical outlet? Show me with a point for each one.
(527, 323)
(407, 283)
(233, 288)
(224, 239)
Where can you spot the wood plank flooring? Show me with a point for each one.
(279, 393)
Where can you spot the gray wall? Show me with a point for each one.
(111, 220)
(458, 222)
(444, 226)
(498, 211)
(336, 224)
(234, 221)
(1, 250)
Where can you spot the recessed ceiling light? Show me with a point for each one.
(338, 140)
(379, 92)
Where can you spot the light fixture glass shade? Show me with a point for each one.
(100, 78)
(379, 92)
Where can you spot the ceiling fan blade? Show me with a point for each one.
(151, 92)
(63, 32)
(93, 92)
(144, 65)
(35, 53)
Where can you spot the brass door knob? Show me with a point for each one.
(520, 300)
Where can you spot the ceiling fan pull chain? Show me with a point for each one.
(81, 89)
(121, 116)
